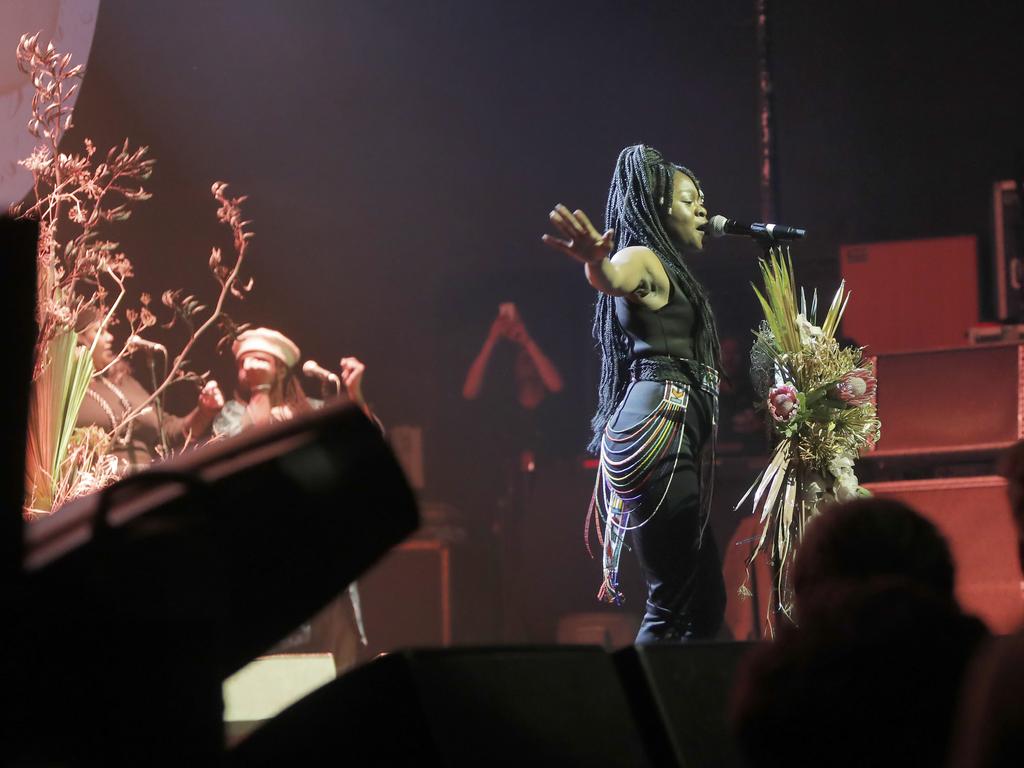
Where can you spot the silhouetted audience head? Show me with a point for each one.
(871, 679)
(871, 675)
(869, 539)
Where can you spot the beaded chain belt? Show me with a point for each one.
(630, 457)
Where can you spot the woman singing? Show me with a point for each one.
(269, 391)
(268, 383)
(658, 398)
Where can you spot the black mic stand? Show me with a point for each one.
(767, 242)
(158, 402)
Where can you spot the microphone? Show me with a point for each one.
(137, 342)
(719, 225)
(312, 369)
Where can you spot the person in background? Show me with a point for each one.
(115, 393)
(535, 375)
(269, 390)
(742, 429)
(510, 384)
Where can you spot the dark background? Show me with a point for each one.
(401, 158)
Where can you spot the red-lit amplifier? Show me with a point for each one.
(973, 514)
(911, 294)
(950, 400)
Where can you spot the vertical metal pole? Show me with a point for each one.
(766, 139)
(766, 155)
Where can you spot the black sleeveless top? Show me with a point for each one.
(668, 331)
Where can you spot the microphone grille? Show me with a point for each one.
(310, 367)
(718, 223)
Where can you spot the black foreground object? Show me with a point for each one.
(18, 241)
(136, 603)
(557, 706)
(680, 696)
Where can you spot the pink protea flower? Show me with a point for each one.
(855, 388)
(782, 402)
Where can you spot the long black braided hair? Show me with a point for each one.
(640, 194)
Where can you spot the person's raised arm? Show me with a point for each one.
(545, 368)
(475, 375)
(211, 400)
(352, 372)
(183, 429)
(628, 272)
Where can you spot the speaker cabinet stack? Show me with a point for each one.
(947, 409)
(951, 412)
(944, 411)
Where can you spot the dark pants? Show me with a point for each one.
(676, 550)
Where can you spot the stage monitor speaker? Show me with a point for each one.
(912, 294)
(973, 514)
(517, 707)
(159, 587)
(680, 697)
(966, 399)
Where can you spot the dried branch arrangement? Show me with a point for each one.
(76, 199)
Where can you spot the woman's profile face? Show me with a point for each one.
(103, 352)
(686, 219)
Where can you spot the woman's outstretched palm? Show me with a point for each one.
(582, 240)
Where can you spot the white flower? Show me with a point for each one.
(809, 333)
(845, 483)
(841, 465)
(846, 486)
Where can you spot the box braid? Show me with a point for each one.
(640, 194)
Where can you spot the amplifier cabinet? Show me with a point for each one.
(973, 514)
(406, 597)
(949, 400)
(911, 294)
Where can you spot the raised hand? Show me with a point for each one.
(517, 333)
(211, 399)
(352, 370)
(581, 240)
(508, 323)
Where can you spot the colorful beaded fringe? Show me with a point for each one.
(629, 458)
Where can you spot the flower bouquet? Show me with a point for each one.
(820, 399)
